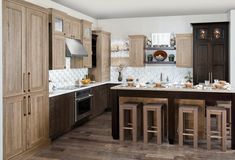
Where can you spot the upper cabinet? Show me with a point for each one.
(184, 50)
(25, 51)
(72, 28)
(64, 26)
(58, 22)
(103, 45)
(86, 40)
(210, 51)
(86, 30)
(136, 50)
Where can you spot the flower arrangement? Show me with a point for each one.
(189, 77)
(120, 69)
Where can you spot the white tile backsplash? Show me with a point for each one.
(152, 73)
(66, 77)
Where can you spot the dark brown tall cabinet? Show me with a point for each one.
(210, 52)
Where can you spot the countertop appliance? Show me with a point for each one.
(83, 102)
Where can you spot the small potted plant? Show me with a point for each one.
(150, 58)
(171, 57)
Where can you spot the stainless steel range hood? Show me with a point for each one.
(75, 48)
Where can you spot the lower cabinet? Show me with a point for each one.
(109, 101)
(61, 114)
(99, 101)
(25, 123)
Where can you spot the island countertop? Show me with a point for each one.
(174, 89)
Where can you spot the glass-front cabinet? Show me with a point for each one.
(58, 22)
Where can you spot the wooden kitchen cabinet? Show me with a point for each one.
(62, 114)
(136, 50)
(14, 76)
(57, 57)
(25, 72)
(87, 61)
(25, 53)
(37, 49)
(38, 116)
(184, 50)
(103, 62)
(99, 100)
(15, 118)
(86, 40)
(25, 123)
(210, 52)
(58, 22)
(72, 28)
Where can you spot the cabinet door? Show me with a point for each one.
(87, 61)
(61, 114)
(58, 22)
(86, 30)
(184, 50)
(58, 52)
(105, 58)
(219, 48)
(14, 126)
(37, 50)
(14, 55)
(136, 51)
(76, 29)
(67, 28)
(201, 63)
(37, 119)
(99, 101)
(72, 28)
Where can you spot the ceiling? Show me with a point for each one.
(104, 9)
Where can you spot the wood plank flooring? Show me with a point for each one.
(93, 141)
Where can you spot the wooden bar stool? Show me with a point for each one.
(188, 131)
(227, 106)
(156, 126)
(220, 112)
(130, 118)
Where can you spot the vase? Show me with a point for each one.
(119, 76)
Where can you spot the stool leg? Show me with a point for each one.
(159, 129)
(195, 125)
(145, 125)
(180, 130)
(224, 135)
(121, 124)
(208, 132)
(219, 124)
(134, 123)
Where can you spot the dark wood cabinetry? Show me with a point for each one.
(210, 52)
(61, 114)
(99, 101)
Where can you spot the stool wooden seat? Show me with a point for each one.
(156, 127)
(131, 121)
(221, 112)
(227, 106)
(182, 131)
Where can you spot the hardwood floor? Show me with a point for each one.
(93, 141)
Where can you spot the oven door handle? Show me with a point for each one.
(83, 98)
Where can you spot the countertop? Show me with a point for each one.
(59, 92)
(121, 87)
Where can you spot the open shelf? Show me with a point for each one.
(160, 48)
(161, 62)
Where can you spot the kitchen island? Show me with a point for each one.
(171, 94)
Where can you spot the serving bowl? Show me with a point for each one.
(160, 55)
